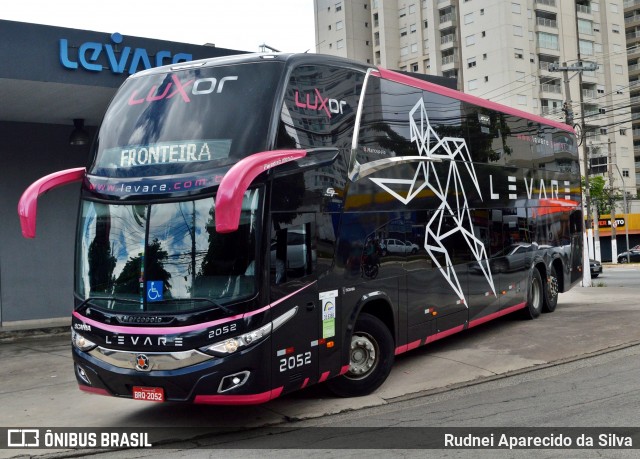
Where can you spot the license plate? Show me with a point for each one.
(150, 394)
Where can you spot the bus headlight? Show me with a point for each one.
(231, 345)
(81, 342)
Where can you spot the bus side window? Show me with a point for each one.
(292, 253)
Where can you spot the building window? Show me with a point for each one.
(338, 6)
(522, 99)
(412, 28)
(414, 47)
(585, 27)
(403, 12)
(614, 7)
(520, 76)
(625, 172)
(484, 34)
(412, 8)
(586, 47)
(486, 79)
(547, 40)
(481, 11)
(618, 69)
(340, 44)
(623, 132)
(484, 56)
(473, 84)
(470, 40)
(615, 28)
(515, 8)
(468, 18)
(471, 62)
(329, 26)
(404, 51)
(339, 25)
(414, 67)
(403, 32)
(519, 53)
(366, 24)
(517, 31)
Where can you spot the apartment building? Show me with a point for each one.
(632, 33)
(511, 51)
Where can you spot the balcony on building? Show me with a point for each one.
(631, 4)
(632, 18)
(634, 68)
(544, 61)
(546, 19)
(449, 60)
(447, 38)
(550, 86)
(589, 91)
(632, 35)
(583, 7)
(447, 17)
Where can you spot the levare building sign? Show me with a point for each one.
(96, 57)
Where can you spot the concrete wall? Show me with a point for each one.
(36, 275)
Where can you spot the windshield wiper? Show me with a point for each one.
(93, 300)
(187, 300)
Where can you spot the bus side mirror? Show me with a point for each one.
(236, 181)
(28, 204)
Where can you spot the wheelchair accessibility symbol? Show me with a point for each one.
(154, 291)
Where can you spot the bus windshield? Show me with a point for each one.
(186, 121)
(165, 257)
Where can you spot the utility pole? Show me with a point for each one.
(579, 67)
(612, 214)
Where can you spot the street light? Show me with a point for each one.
(626, 209)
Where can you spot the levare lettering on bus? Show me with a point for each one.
(552, 185)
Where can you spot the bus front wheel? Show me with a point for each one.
(370, 359)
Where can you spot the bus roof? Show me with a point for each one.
(310, 58)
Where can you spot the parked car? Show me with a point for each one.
(634, 256)
(396, 246)
(595, 267)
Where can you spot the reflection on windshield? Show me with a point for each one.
(164, 257)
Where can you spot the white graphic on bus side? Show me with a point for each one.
(455, 151)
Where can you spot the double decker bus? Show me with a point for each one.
(252, 225)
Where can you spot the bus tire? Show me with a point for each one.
(550, 291)
(370, 359)
(535, 296)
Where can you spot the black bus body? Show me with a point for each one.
(253, 225)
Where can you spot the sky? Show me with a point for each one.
(286, 25)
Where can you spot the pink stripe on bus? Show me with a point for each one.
(176, 330)
(495, 315)
(444, 334)
(448, 92)
(251, 399)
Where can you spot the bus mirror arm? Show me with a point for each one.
(236, 181)
(28, 204)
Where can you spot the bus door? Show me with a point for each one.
(293, 284)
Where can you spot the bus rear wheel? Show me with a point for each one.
(370, 359)
(551, 291)
(535, 296)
